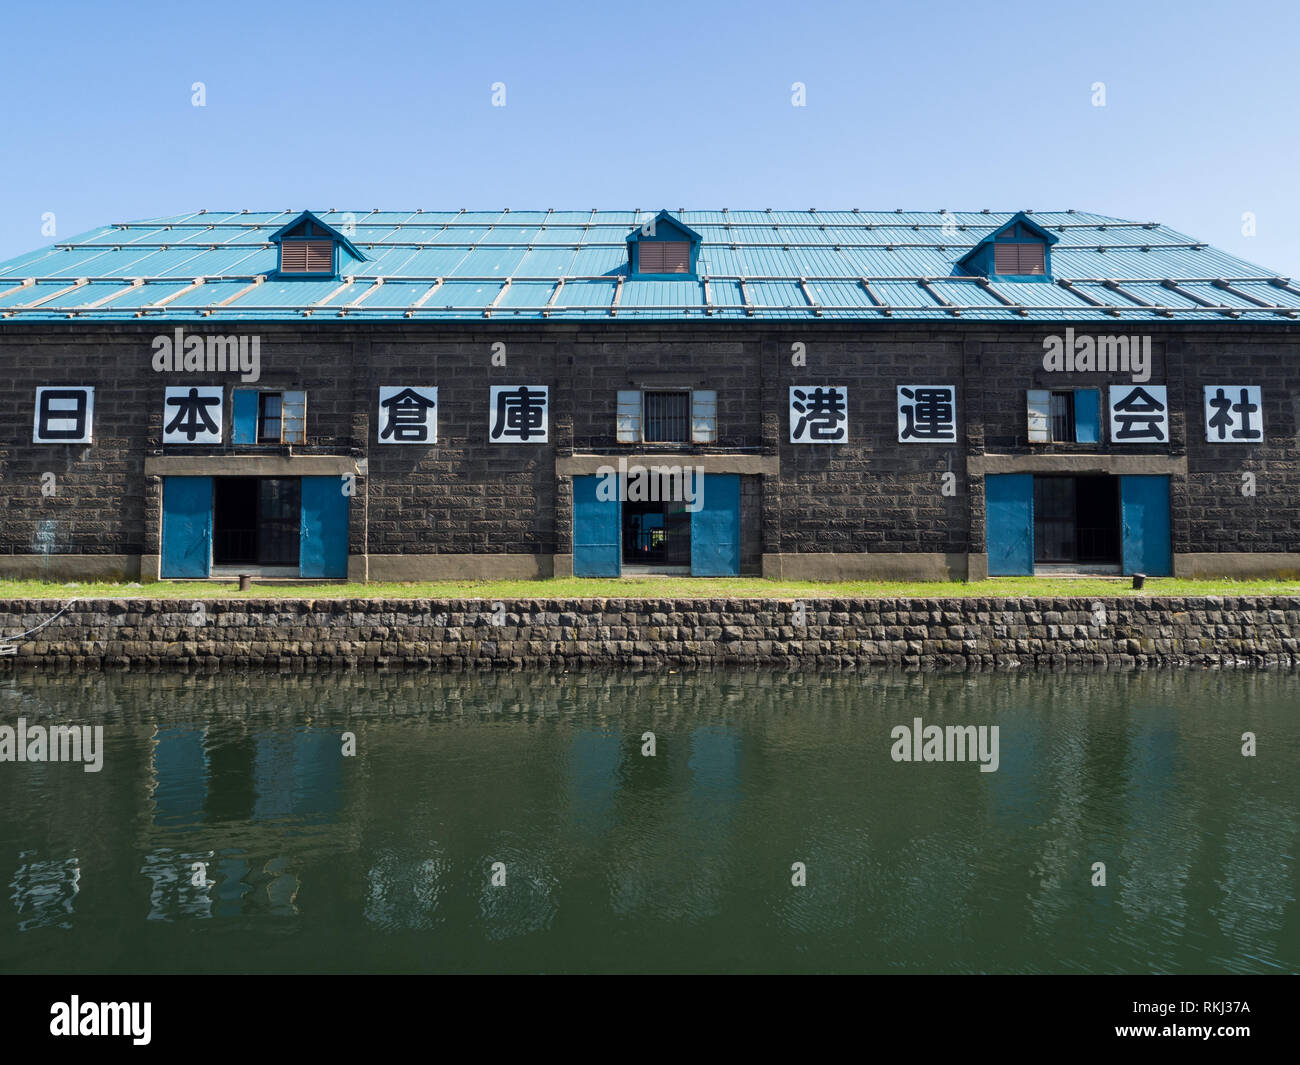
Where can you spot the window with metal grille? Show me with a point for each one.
(306, 256)
(667, 417)
(1062, 414)
(1018, 259)
(664, 257)
(268, 417)
(282, 418)
(634, 409)
(1052, 417)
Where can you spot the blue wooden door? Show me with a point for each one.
(323, 529)
(1009, 524)
(595, 530)
(1144, 519)
(715, 527)
(186, 527)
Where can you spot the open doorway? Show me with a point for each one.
(656, 538)
(255, 524)
(1076, 524)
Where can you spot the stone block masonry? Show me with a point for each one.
(870, 508)
(459, 634)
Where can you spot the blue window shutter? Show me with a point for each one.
(323, 528)
(715, 527)
(1009, 524)
(244, 416)
(596, 541)
(186, 527)
(1144, 521)
(1087, 415)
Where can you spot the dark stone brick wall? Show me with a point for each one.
(1209, 511)
(872, 493)
(963, 634)
(751, 526)
(1004, 362)
(601, 359)
(1211, 508)
(102, 504)
(463, 495)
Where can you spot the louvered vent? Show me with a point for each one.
(664, 257)
(1018, 259)
(306, 257)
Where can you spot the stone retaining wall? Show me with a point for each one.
(975, 634)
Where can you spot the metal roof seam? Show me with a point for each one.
(505, 263)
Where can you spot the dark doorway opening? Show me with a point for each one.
(1076, 520)
(255, 521)
(657, 535)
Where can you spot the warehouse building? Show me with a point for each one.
(799, 394)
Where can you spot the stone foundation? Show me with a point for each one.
(927, 634)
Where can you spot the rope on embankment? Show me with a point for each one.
(11, 639)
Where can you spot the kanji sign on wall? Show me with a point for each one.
(192, 415)
(408, 414)
(1234, 414)
(518, 414)
(64, 415)
(927, 414)
(819, 414)
(1139, 414)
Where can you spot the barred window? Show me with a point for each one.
(667, 417)
(268, 418)
(1062, 412)
(1052, 416)
(281, 418)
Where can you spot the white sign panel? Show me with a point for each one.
(64, 415)
(927, 414)
(819, 414)
(1234, 414)
(519, 414)
(192, 415)
(1139, 414)
(408, 414)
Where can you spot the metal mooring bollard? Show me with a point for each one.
(245, 581)
(1139, 579)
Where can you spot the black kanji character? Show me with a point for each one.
(192, 415)
(930, 416)
(520, 413)
(821, 414)
(406, 416)
(46, 413)
(1139, 407)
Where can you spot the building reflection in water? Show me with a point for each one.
(218, 785)
(677, 861)
(44, 891)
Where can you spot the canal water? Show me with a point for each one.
(519, 822)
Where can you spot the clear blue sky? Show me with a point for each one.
(913, 105)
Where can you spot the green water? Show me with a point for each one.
(614, 861)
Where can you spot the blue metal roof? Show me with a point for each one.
(521, 265)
